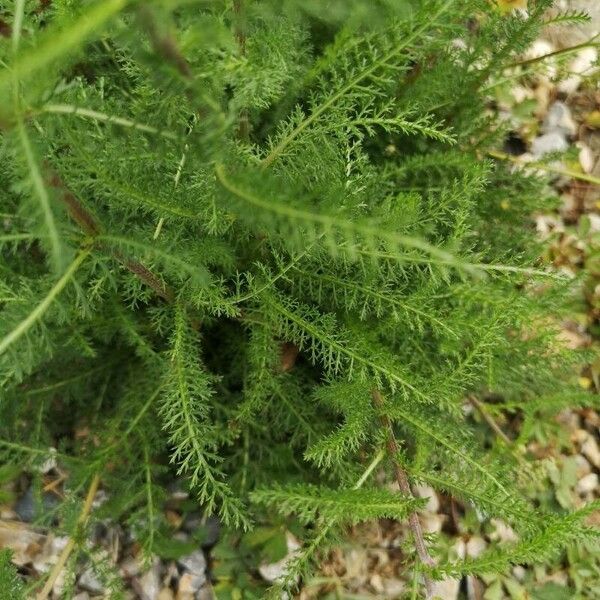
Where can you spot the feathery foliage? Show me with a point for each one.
(230, 228)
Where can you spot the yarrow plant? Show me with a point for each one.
(261, 245)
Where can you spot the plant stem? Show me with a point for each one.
(490, 420)
(44, 305)
(549, 168)
(64, 555)
(588, 44)
(165, 45)
(240, 36)
(404, 484)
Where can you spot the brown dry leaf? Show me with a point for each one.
(289, 353)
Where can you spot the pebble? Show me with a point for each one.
(131, 567)
(28, 507)
(431, 522)
(394, 588)
(210, 528)
(377, 583)
(589, 483)
(150, 583)
(195, 566)
(460, 547)
(591, 451)
(586, 157)
(559, 119)
(206, 593)
(555, 141)
(580, 65)
(166, 594)
(89, 581)
(583, 466)
(186, 588)
(475, 546)
(49, 463)
(503, 532)
(446, 588)
(275, 571)
(426, 491)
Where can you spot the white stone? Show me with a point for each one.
(586, 157)
(583, 466)
(90, 582)
(589, 483)
(539, 48)
(446, 589)
(426, 491)
(591, 451)
(475, 546)
(582, 65)
(559, 119)
(165, 594)
(195, 565)
(503, 532)
(431, 523)
(274, 571)
(554, 141)
(150, 581)
(394, 588)
(594, 222)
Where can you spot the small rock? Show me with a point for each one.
(539, 48)
(503, 532)
(432, 523)
(475, 588)
(131, 567)
(205, 593)
(275, 571)
(149, 582)
(559, 120)
(426, 491)
(519, 572)
(49, 463)
(554, 141)
(89, 581)
(394, 588)
(591, 451)
(82, 596)
(59, 584)
(589, 483)
(475, 546)
(186, 588)
(446, 589)
(377, 583)
(52, 548)
(171, 574)
(25, 543)
(166, 594)
(210, 527)
(583, 466)
(586, 157)
(28, 507)
(195, 565)
(581, 65)
(460, 547)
